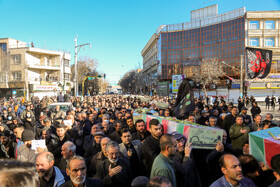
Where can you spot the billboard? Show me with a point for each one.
(176, 81)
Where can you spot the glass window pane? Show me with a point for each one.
(269, 25)
(269, 41)
(254, 24)
(254, 41)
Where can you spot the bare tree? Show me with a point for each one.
(128, 81)
(209, 72)
(86, 67)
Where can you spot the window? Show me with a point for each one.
(16, 75)
(254, 24)
(269, 25)
(269, 41)
(3, 77)
(47, 61)
(66, 77)
(66, 63)
(254, 41)
(16, 59)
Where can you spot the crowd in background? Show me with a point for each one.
(98, 143)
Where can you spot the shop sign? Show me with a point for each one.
(44, 88)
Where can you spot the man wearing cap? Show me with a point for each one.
(25, 153)
(247, 118)
(94, 148)
(185, 170)
(275, 164)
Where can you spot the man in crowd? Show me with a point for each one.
(132, 150)
(162, 165)
(275, 164)
(116, 135)
(257, 124)
(232, 171)
(99, 157)
(151, 148)
(229, 121)
(68, 150)
(114, 171)
(49, 174)
(76, 170)
(247, 118)
(141, 131)
(239, 133)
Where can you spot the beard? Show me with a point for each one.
(43, 172)
(78, 180)
(113, 161)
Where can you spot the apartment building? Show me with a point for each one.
(30, 71)
(182, 46)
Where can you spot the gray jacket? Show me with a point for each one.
(137, 144)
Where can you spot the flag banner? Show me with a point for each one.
(264, 144)
(185, 100)
(201, 137)
(258, 62)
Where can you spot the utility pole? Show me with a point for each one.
(241, 76)
(77, 49)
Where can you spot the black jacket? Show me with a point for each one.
(227, 123)
(255, 111)
(137, 136)
(122, 179)
(150, 150)
(185, 171)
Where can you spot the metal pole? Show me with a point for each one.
(76, 76)
(241, 75)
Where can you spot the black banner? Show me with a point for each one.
(184, 101)
(258, 62)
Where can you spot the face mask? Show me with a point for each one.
(106, 121)
(28, 115)
(9, 118)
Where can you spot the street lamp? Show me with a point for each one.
(77, 49)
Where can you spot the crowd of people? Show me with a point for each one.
(98, 143)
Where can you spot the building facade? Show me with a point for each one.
(30, 71)
(262, 30)
(183, 47)
(149, 71)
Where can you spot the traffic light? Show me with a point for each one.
(90, 78)
(104, 76)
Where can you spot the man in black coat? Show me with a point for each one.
(229, 121)
(141, 131)
(255, 110)
(114, 171)
(151, 148)
(75, 165)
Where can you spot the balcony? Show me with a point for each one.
(44, 67)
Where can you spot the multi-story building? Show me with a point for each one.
(30, 71)
(149, 71)
(183, 47)
(262, 30)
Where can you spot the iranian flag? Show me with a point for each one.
(265, 144)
